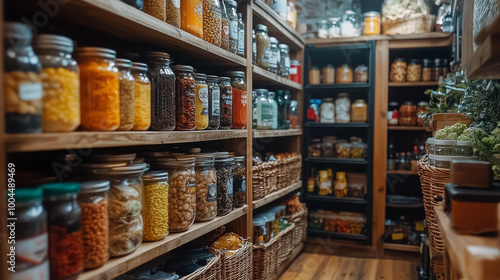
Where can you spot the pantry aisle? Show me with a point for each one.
(322, 267)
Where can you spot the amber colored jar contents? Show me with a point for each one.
(185, 94)
(344, 74)
(142, 107)
(423, 106)
(361, 74)
(359, 111)
(174, 13)
(156, 8)
(372, 23)
(398, 70)
(328, 74)
(192, 17)
(426, 70)
(408, 114)
(314, 76)
(212, 22)
(263, 46)
(201, 101)
(239, 99)
(414, 71)
(127, 94)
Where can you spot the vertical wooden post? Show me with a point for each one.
(248, 44)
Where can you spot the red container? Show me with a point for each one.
(295, 69)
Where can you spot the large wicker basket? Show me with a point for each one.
(212, 271)
(274, 176)
(300, 221)
(239, 265)
(403, 25)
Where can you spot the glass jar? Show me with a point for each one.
(22, 81)
(202, 101)
(356, 191)
(254, 48)
(361, 74)
(293, 113)
(31, 233)
(127, 94)
(444, 147)
(431, 148)
(142, 94)
(163, 105)
(408, 114)
(99, 89)
(343, 149)
(212, 22)
(423, 106)
(224, 43)
(344, 74)
(226, 103)
(334, 27)
(156, 8)
(314, 75)
(138, 4)
(327, 111)
(328, 74)
(464, 148)
(61, 83)
(239, 89)
(241, 36)
(314, 149)
(343, 108)
(372, 23)
(66, 253)
(284, 65)
(437, 70)
(340, 186)
(323, 29)
(259, 229)
(295, 70)
(224, 170)
(93, 200)
(426, 70)
(359, 111)
(273, 113)
(445, 161)
(291, 15)
(239, 182)
(263, 110)
(173, 10)
(414, 71)
(155, 205)
(192, 17)
(349, 25)
(214, 109)
(263, 46)
(274, 55)
(393, 113)
(283, 100)
(185, 97)
(358, 150)
(206, 188)
(231, 6)
(398, 70)
(280, 7)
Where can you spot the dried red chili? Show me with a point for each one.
(66, 253)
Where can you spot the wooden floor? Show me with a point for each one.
(322, 267)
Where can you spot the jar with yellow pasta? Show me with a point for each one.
(99, 89)
(142, 100)
(127, 94)
(60, 81)
(155, 205)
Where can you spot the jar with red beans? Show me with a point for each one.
(185, 97)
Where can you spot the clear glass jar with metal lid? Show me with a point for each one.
(22, 81)
(274, 55)
(343, 108)
(226, 103)
(444, 147)
(414, 71)
(163, 105)
(99, 89)
(206, 188)
(464, 148)
(239, 182)
(185, 97)
(398, 70)
(239, 88)
(142, 100)
(212, 22)
(233, 25)
(263, 46)
(127, 94)
(224, 170)
(426, 70)
(371, 23)
(214, 97)
(61, 83)
(93, 200)
(202, 100)
(334, 27)
(263, 109)
(327, 110)
(155, 205)
(63, 215)
(284, 65)
(323, 29)
(350, 24)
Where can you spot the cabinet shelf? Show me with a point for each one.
(277, 195)
(414, 84)
(276, 133)
(266, 78)
(402, 247)
(337, 160)
(340, 235)
(337, 200)
(338, 86)
(407, 128)
(337, 125)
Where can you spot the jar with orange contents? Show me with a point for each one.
(142, 98)
(192, 17)
(239, 99)
(99, 89)
(372, 23)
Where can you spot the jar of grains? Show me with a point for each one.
(173, 13)
(224, 43)
(398, 70)
(61, 83)
(185, 97)
(206, 188)
(155, 205)
(344, 74)
(127, 94)
(226, 103)
(93, 200)
(201, 88)
(212, 22)
(162, 78)
(239, 182)
(343, 108)
(99, 89)
(22, 81)
(233, 25)
(284, 66)
(426, 70)
(156, 8)
(328, 74)
(213, 102)
(274, 55)
(239, 88)
(224, 169)
(192, 17)
(263, 46)
(408, 114)
(142, 101)
(414, 71)
(314, 75)
(361, 74)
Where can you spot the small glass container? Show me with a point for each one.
(414, 71)
(343, 108)
(444, 147)
(398, 70)
(314, 149)
(334, 27)
(356, 191)
(173, 13)
(185, 95)
(328, 74)
(142, 99)
(127, 94)
(426, 70)
(314, 75)
(259, 228)
(263, 46)
(239, 182)
(274, 55)
(206, 188)
(293, 113)
(284, 65)
(323, 29)
(233, 25)
(327, 110)
(437, 70)
(344, 74)
(340, 185)
(263, 110)
(225, 28)
(224, 170)
(202, 101)
(155, 205)
(393, 113)
(431, 147)
(156, 8)
(350, 24)
(213, 102)
(464, 148)
(328, 146)
(239, 88)
(358, 150)
(422, 107)
(241, 35)
(192, 17)
(212, 22)
(226, 103)
(361, 74)
(295, 70)
(359, 111)
(343, 149)
(408, 114)
(371, 23)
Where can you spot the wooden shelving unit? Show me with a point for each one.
(414, 84)
(402, 172)
(336, 125)
(407, 128)
(268, 78)
(276, 133)
(337, 160)
(340, 235)
(276, 195)
(402, 247)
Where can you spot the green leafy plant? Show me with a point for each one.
(481, 103)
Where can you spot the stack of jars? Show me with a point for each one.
(272, 110)
(269, 53)
(342, 75)
(416, 70)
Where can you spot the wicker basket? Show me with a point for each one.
(270, 170)
(239, 265)
(258, 189)
(285, 244)
(212, 271)
(300, 221)
(276, 175)
(402, 25)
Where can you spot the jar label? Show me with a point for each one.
(30, 91)
(39, 272)
(212, 193)
(287, 63)
(227, 99)
(230, 187)
(225, 28)
(266, 55)
(176, 3)
(190, 184)
(273, 59)
(241, 41)
(233, 30)
(203, 98)
(33, 250)
(265, 114)
(293, 71)
(198, 11)
(215, 102)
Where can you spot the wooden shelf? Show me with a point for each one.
(408, 128)
(402, 247)
(337, 200)
(414, 84)
(337, 125)
(418, 36)
(150, 250)
(277, 27)
(323, 233)
(337, 160)
(83, 139)
(338, 86)
(264, 77)
(276, 195)
(402, 172)
(276, 133)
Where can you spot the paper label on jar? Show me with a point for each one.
(198, 11)
(212, 193)
(227, 99)
(233, 30)
(39, 272)
(273, 59)
(241, 41)
(33, 250)
(190, 185)
(230, 187)
(215, 102)
(287, 63)
(225, 28)
(30, 91)
(203, 98)
(176, 3)
(293, 71)
(266, 55)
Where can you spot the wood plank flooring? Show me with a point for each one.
(326, 267)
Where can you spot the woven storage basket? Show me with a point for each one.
(295, 169)
(300, 221)
(285, 244)
(403, 25)
(239, 265)
(258, 189)
(281, 173)
(212, 271)
(270, 169)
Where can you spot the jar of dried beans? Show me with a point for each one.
(226, 103)
(162, 78)
(239, 182)
(239, 99)
(414, 71)
(61, 83)
(155, 205)
(127, 94)
(192, 17)
(212, 22)
(398, 70)
(174, 13)
(206, 188)
(99, 89)
(213, 102)
(202, 100)
(185, 96)
(93, 200)
(224, 169)
(142, 100)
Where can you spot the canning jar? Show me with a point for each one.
(328, 73)
(295, 70)
(464, 148)
(224, 170)
(414, 71)
(274, 111)
(293, 113)
(239, 88)
(343, 149)
(372, 23)
(426, 70)
(259, 229)
(327, 110)
(280, 7)
(239, 182)
(93, 200)
(173, 16)
(283, 100)
(163, 105)
(226, 103)
(32, 241)
(233, 25)
(263, 46)
(213, 102)
(254, 48)
(185, 97)
(350, 24)
(212, 22)
(22, 81)
(274, 55)
(438, 69)
(343, 108)
(444, 147)
(142, 100)
(314, 149)
(224, 44)
(127, 94)
(340, 185)
(359, 111)
(408, 114)
(423, 106)
(66, 254)
(291, 14)
(344, 74)
(156, 8)
(263, 109)
(314, 75)
(155, 205)
(323, 29)
(358, 150)
(61, 83)
(192, 17)
(398, 70)
(138, 4)
(206, 188)
(361, 74)
(431, 148)
(241, 35)
(202, 100)
(99, 89)
(284, 65)
(334, 27)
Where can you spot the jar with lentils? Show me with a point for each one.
(173, 13)
(226, 103)
(185, 97)
(213, 102)
(142, 100)
(202, 101)
(155, 205)
(127, 94)
(239, 182)
(206, 188)
(224, 169)
(212, 22)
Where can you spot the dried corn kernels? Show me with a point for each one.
(155, 211)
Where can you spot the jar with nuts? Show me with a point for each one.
(127, 94)
(224, 168)
(239, 182)
(206, 188)
(22, 82)
(398, 70)
(155, 207)
(185, 97)
(414, 71)
(212, 22)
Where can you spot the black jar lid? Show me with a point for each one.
(240, 74)
(408, 103)
(156, 55)
(414, 61)
(438, 62)
(399, 59)
(184, 68)
(426, 62)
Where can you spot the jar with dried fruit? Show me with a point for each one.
(213, 102)
(173, 16)
(226, 103)
(127, 94)
(185, 97)
(344, 74)
(155, 205)
(202, 100)
(142, 100)
(398, 70)
(212, 22)
(224, 169)
(239, 183)
(206, 188)
(239, 88)
(192, 17)
(414, 71)
(156, 8)
(361, 74)
(408, 114)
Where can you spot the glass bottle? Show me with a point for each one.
(340, 184)
(192, 17)
(284, 65)
(239, 88)
(264, 109)
(239, 182)
(287, 97)
(274, 55)
(391, 158)
(437, 70)
(185, 97)
(254, 109)
(263, 46)
(327, 110)
(274, 110)
(293, 114)
(212, 22)
(241, 36)
(233, 25)
(213, 102)
(280, 7)
(202, 101)
(127, 94)
(142, 97)
(226, 103)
